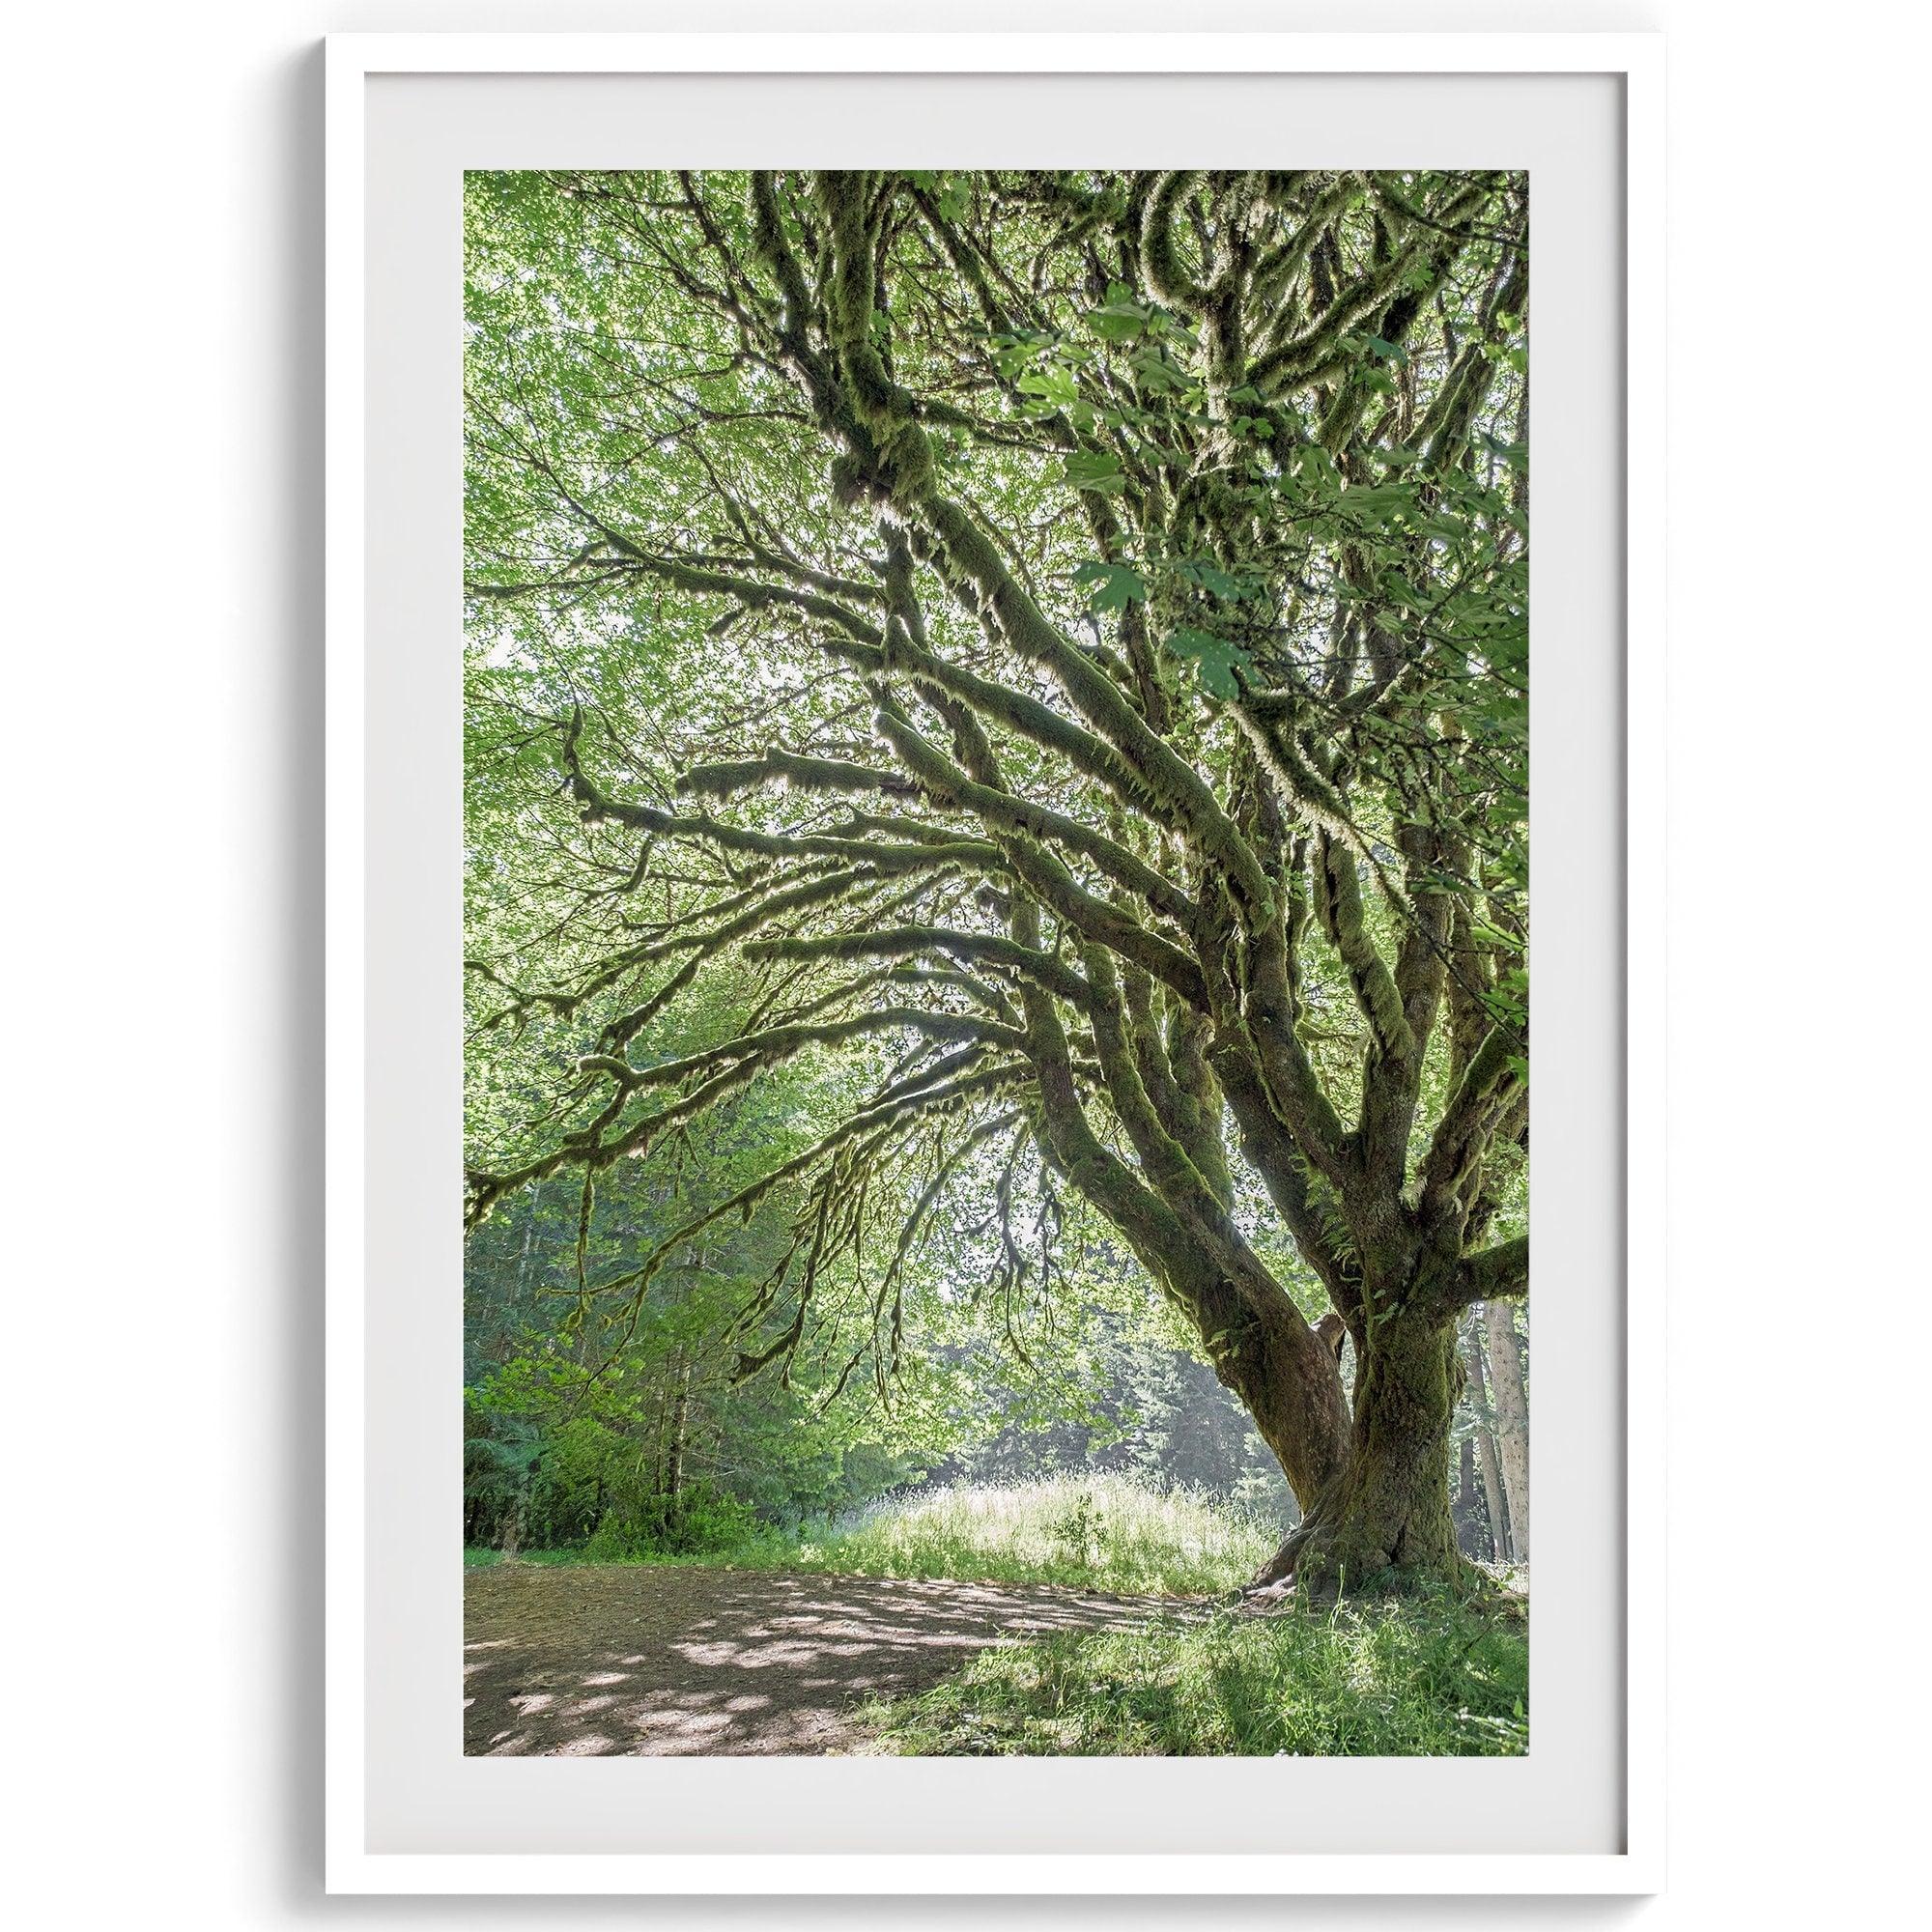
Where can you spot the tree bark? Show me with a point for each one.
(1286, 1377)
(1473, 1522)
(524, 1259)
(1486, 1440)
(674, 1455)
(1387, 1509)
(1512, 1420)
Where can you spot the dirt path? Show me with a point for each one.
(599, 1660)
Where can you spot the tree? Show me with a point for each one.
(1471, 1520)
(1064, 636)
(1484, 1435)
(1512, 1408)
(654, 1449)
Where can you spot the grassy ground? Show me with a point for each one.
(1437, 1678)
(1094, 1532)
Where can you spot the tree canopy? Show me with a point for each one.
(1047, 655)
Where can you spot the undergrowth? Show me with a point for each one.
(1095, 1532)
(1436, 1676)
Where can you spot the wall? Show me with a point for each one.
(162, 418)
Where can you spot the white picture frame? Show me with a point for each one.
(356, 1865)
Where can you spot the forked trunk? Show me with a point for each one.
(1285, 1375)
(1387, 1507)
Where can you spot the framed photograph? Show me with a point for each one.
(932, 743)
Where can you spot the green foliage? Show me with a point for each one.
(1093, 469)
(568, 1443)
(1113, 586)
(1215, 660)
(1439, 1677)
(572, 1436)
(1101, 1532)
(702, 1522)
(913, 618)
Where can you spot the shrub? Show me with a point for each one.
(704, 1522)
(708, 1520)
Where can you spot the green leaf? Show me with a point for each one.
(1385, 352)
(1158, 375)
(1215, 660)
(1397, 590)
(1014, 355)
(1119, 319)
(1207, 575)
(949, 191)
(1314, 465)
(1095, 469)
(1052, 383)
(1381, 500)
(1116, 585)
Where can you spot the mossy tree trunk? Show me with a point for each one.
(1385, 1516)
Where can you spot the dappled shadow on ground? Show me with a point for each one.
(621, 1661)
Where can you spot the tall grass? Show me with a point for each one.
(1092, 1531)
(1437, 1677)
(1098, 1532)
